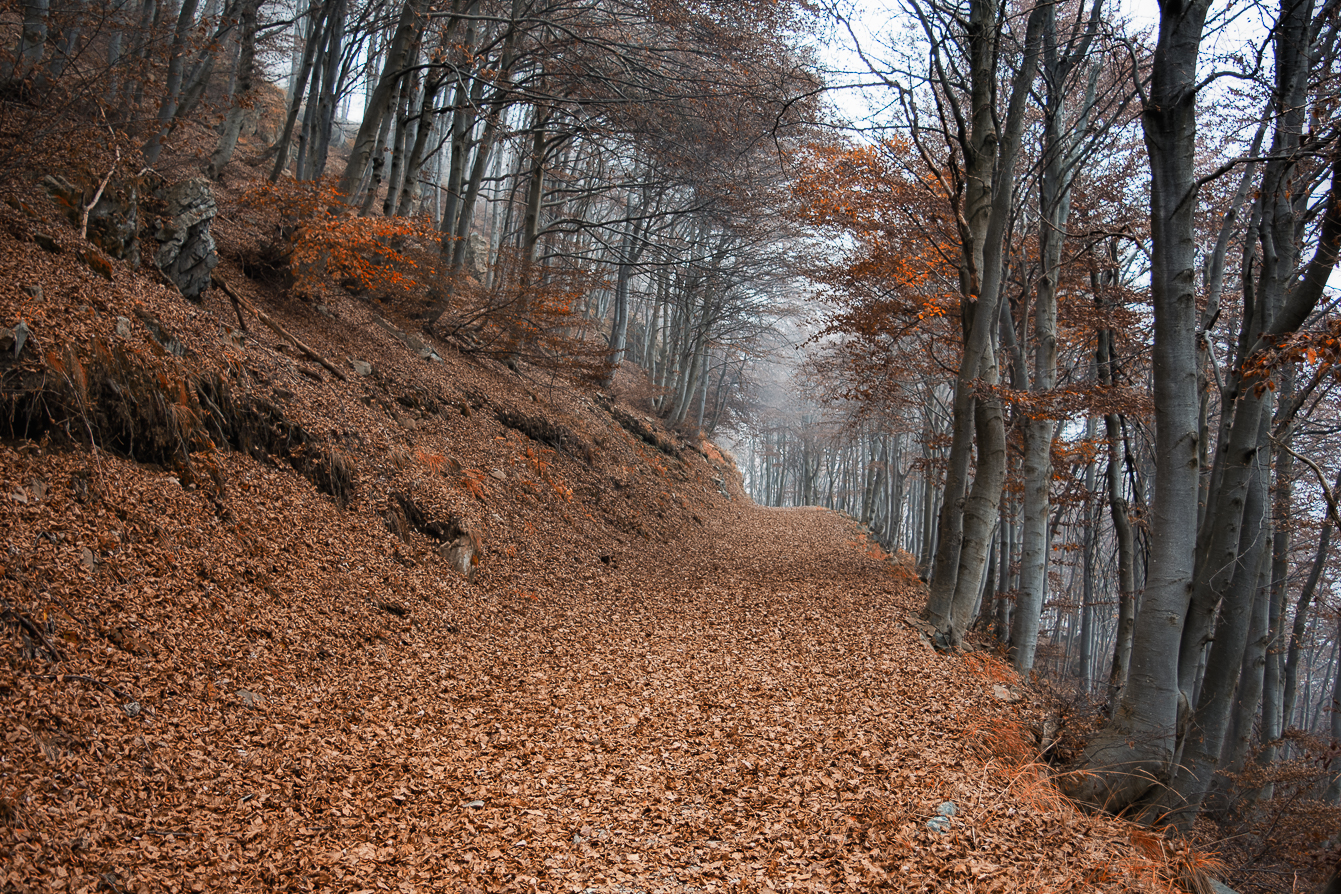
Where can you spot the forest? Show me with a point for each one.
(1041, 293)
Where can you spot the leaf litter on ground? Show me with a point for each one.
(648, 687)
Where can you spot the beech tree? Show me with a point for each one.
(1195, 571)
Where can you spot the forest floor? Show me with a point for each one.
(223, 671)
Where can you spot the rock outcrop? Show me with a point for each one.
(186, 253)
(113, 221)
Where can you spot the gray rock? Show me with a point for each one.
(123, 327)
(939, 824)
(21, 333)
(361, 367)
(249, 698)
(186, 253)
(161, 334)
(463, 552)
(947, 808)
(1218, 887)
(33, 292)
(113, 223)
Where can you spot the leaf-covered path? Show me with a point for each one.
(230, 683)
(749, 712)
(745, 711)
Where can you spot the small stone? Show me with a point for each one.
(123, 327)
(499, 474)
(97, 263)
(940, 824)
(86, 556)
(474, 805)
(46, 243)
(21, 333)
(132, 709)
(947, 808)
(34, 292)
(361, 367)
(249, 698)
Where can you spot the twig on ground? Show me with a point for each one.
(278, 329)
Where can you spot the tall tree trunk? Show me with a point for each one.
(408, 30)
(411, 93)
(1248, 696)
(167, 111)
(1299, 628)
(1134, 749)
(1122, 529)
(32, 38)
(1201, 755)
(989, 183)
(1272, 670)
(1058, 174)
(242, 88)
(318, 15)
(1333, 793)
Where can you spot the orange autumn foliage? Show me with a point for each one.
(326, 241)
(887, 262)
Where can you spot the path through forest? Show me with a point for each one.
(745, 711)
(752, 712)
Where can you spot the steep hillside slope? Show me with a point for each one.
(436, 624)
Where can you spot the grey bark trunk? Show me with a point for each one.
(32, 38)
(408, 29)
(989, 173)
(1059, 170)
(167, 111)
(242, 88)
(1134, 749)
(315, 37)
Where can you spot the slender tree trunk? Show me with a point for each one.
(1135, 748)
(1058, 174)
(408, 29)
(32, 38)
(988, 200)
(1272, 678)
(315, 37)
(1248, 696)
(1122, 531)
(1088, 570)
(411, 93)
(1333, 793)
(1301, 616)
(242, 89)
(167, 111)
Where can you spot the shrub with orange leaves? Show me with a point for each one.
(325, 241)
